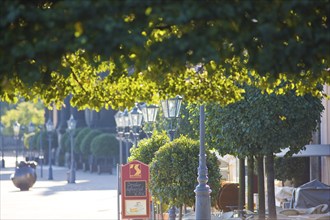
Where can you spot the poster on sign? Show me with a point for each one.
(135, 192)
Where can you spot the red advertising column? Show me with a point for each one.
(135, 191)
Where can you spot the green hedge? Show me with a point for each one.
(85, 145)
(80, 134)
(105, 145)
(174, 172)
(147, 147)
(65, 142)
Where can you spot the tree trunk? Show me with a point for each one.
(241, 199)
(250, 163)
(180, 212)
(270, 185)
(161, 209)
(261, 187)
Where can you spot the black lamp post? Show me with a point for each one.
(2, 150)
(72, 126)
(149, 113)
(202, 191)
(50, 129)
(127, 133)
(171, 110)
(31, 129)
(120, 133)
(16, 128)
(135, 119)
(41, 152)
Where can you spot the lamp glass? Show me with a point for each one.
(72, 123)
(49, 125)
(126, 118)
(171, 107)
(31, 127)
(135, 117)
(119, 118)
(16, 128)
(149, 112)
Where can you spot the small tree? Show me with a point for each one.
(174, 172)
(80, 135)
(262, 124)
(147, 148)
(85, 145)
(105, 145)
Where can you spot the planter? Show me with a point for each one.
(25, 175)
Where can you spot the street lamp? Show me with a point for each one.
(135, 119)
(16, 128)
(41, 152)
(171, 110)
(127, 133)
(31, 129)
(2, 150)
(202, 191)
(72, 126)
(50, 129)
(120, 131)
(149, 113)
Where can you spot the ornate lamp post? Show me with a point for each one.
(2, 150)
(41, 152)
(135, 119)
(120, 132)
(50, 129)
(72, 126)
(127, 133)
(31, 129)
(171, 110)
(16, 128)
(149, 113)
(202, 191)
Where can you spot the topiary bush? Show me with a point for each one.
(173, 172)
(85, 145)
(80, 134)
(147, 148)
(105, 145)
(65, 142)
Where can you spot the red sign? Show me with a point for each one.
(135, 192)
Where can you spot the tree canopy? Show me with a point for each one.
(24, 113)
(263, 124)
(114, 53)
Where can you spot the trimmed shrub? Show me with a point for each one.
(174, 172)
(85, 145)
(80, 134)
(105, 145)
(146, 149)
(65, 142)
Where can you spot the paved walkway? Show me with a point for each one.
(93, 196)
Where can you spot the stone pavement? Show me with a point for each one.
(93, 196)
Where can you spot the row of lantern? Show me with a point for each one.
(147, 114)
